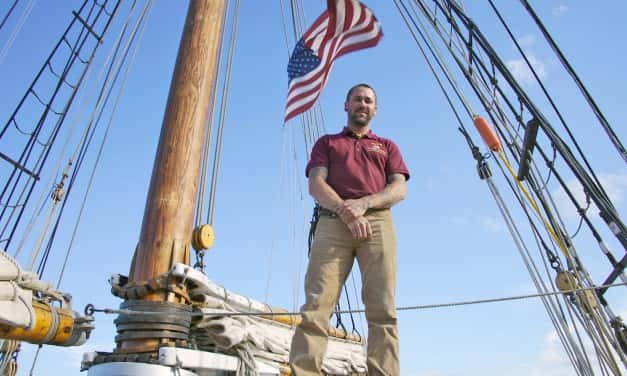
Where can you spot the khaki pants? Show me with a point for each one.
(331, 260)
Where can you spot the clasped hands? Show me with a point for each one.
(352, 212)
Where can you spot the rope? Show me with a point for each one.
(223, 102)
(283, 23)
(9, 350)
(40, 239)
(141, 23)
(548, 97)
(553, 307)
(28, 149)
(609, 213)
(360, 317)
(32, 367)
(398, 308)
(6, 16)
(18, 27)
(490, 107)
(247, 365)
(557, 239)
(41, 204)
(200, 203)
(604, 123)
(111, 78)
(493, 106)
(437, 56)
(483, 80)
(277, 199)
(65, 146)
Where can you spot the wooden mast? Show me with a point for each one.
(168, 216)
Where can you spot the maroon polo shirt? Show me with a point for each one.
(357, 166)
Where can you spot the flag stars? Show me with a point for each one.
(308, 72)
(303, 61)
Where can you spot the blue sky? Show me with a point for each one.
(452, 243)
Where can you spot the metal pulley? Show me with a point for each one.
(566, 281)
(203, 237)
(58, 193)
(620, 330)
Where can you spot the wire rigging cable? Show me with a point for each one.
(596, 191)
(138, 28)
(58, 193)
(20, 185)
(313, 127)
(546, 94)
(200, 209)
(500, 92)
(112, 74)
(8, 14)
(70, 133)
(483, 80)
(584, 91)
(416, 307)
(222, 115)
(18, 27)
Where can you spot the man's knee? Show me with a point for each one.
(381, 314)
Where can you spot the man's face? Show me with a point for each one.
(361, 106)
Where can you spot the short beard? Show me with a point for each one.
(360, 122)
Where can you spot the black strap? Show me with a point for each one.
(312, 227)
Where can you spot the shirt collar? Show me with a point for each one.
(347, 132)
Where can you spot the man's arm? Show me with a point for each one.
(393, 192)
(321, 191)
(326, 196)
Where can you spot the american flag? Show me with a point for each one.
(346, 26)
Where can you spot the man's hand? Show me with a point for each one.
(350, 210)
(360, 228)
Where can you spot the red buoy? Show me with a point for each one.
(487, 133)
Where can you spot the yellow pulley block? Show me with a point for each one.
(566, 281)
(590, 300)
(203, 237)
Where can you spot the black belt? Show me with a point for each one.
(329, 213)
(324, 212)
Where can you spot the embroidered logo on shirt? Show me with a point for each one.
(377, 148)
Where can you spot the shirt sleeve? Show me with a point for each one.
(319, 155)
(395, 163)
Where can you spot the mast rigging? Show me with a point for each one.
(466, 45)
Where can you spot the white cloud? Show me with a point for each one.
(527, 40)
(559, 10)
(491, 224)
(459, 221)
(432, 373)
(553, 361)
(523, 289)
(615, 186)
(71, 357)
(521, 71)
(431, 183)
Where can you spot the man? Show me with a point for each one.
(355, 176)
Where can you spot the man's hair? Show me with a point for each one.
(350, 91)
